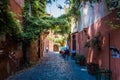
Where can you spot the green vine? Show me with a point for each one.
(59, 41)
(112, 24)
(94, 42)
(62, 26)
(9, 24)
(35, 24)
(74, 9)
(61, 23)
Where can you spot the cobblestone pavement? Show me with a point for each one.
(54, 67)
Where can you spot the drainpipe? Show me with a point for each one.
(109, 56)
(109, 51)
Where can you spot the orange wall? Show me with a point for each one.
(9, 66)
(17, 9)
(34, 51)
(77, 40)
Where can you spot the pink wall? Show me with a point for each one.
(102, 57)
(100, 23)
(77, 40)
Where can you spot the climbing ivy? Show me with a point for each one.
(61, 23)
(9, 24)
(62, 26)
(33, 26)
(59, 41)
(33, 22)
(112, 5)
(73, 10)
(36, 21)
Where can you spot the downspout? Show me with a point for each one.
(109, 51)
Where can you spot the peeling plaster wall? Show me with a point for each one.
(91, 13)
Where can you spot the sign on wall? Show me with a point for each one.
(115, 52)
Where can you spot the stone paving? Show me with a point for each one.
(54, 67)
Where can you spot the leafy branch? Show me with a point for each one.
(59, 41)
(9, 24)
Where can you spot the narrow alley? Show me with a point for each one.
(54, 67)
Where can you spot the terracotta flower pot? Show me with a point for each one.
(92, 68)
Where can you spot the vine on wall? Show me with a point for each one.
(94, 42)
(36, 21)
(9, 24)
(60, 41)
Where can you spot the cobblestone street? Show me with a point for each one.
(54, 67)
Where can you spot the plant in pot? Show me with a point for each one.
(96, 41)
(77, 58)
(80, 59)
(92, 68)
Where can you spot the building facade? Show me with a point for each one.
(95, 25)
(11, 52)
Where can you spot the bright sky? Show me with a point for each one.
(54, 10)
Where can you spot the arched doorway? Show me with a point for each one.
(56, 47)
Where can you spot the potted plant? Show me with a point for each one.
(96, 43)
(77, 58)
(92, 68)
(83, 60)
(80, 59)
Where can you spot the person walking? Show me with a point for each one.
(67, 53)
(73, 54)
(47, 49)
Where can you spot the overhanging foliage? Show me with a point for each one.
(59, 41)
(9, 24)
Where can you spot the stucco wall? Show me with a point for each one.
(102, 56)
(90, 13)
(100, 24)
(93, 20)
